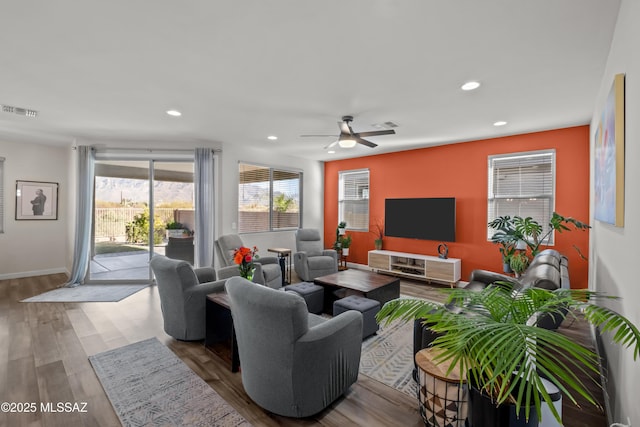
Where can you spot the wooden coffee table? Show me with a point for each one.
(370, 285)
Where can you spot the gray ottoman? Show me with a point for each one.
(313, 295)
(368, 307)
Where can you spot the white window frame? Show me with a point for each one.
(353, 194)
(271, 171)
(523, 194)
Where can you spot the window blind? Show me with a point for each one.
(285, 199)
(522, 185)
(268, 199)
(353, 199)
(1, 194)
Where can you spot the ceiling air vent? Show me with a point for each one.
(385, 125)
(19, 111)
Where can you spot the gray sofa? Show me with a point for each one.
(268, 271)
(183, 291)
(293, 363)
(311, 259)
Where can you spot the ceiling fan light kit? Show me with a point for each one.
(348, 138)
(346, 142)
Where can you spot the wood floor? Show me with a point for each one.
(44, 350)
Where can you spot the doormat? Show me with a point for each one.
(88, 293)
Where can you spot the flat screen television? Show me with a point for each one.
(421, 218)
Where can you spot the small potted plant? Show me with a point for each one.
(378, 233)
(342, 227)
(519, 261)
(174, 229)
(345, 244)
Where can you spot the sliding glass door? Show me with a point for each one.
(142, 207)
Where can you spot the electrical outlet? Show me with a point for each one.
(234, 225)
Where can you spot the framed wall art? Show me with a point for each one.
(609, 158)
(36, 200)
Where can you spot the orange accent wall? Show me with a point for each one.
(460, 171)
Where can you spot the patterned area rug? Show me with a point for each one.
(387, 356)
(148, 385)
(88, 293)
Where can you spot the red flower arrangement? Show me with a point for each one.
(244, 257)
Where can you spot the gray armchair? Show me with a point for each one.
(293, 363)
(183, 292)
(311, 259)
(268, 271)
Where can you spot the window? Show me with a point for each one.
(522, 184)
(268, 199)
(353, 199)
(1, 194)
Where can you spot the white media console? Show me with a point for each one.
(425, 267)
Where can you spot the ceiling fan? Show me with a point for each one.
(348, 138)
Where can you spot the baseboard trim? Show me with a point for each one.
(21, 274)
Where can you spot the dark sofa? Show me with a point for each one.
(548, 270)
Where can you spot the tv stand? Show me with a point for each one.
(415, 266)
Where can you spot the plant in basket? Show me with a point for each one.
(494, 337)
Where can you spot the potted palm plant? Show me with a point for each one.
(492, 335)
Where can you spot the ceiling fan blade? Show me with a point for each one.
(314, 136)
(364, 142)
(376, 133)
(333, 144)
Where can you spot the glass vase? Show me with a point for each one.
(248, 274)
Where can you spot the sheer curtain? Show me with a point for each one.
(204, 215)
(84, 203)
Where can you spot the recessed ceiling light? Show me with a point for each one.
(272, 137)
(174, 113)
(470, 86)
(331, 151)
(500, 123)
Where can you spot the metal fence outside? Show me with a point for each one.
(110, 223)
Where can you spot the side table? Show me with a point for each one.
(442, 398)
(342, 262)
(219, 329)
(284, 254)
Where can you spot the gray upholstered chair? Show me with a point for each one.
(183, 292)
(268, 271)
(293, 363)
(311, 259)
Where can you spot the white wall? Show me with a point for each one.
(31, 248)
(614, 250)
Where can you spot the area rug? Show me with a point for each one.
(387, 356)
(148, 385)
(88, 293)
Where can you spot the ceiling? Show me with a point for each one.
(240, 71)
